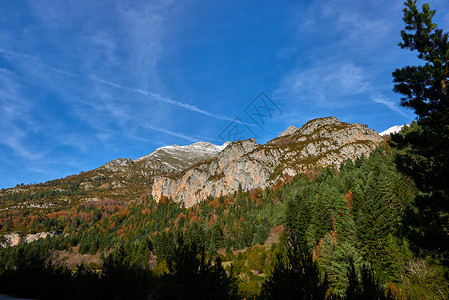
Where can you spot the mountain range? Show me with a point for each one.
(246, 165)
(191, 173)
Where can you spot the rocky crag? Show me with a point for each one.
(120, 179)
(245, 164)
(166, 159)
(14, 239)
(126, 173)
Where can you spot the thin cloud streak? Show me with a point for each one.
(34, 59)
(163, 99)
(323, 82)
(131, 136)
(154, 96)
(390, 104)
(2, 50)
(16, 143)
(173, 133)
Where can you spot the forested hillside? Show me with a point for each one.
(354, 214)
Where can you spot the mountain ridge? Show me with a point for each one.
(193, 172)
(245, 164)
(173, 157)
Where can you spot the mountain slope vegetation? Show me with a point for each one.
(350, 215)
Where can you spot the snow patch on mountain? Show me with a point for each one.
(177, 158)
(393, 129)
(196, 149)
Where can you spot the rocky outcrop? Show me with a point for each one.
(117, 164)
(290, 130)
(14, 239)
(166, 159)
(219, 176)
(177, 158)
(246, 164)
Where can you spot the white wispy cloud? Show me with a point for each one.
(154, 96)
(15, 141)
(9, 52)
(163, 99)
(102, 62)
(392, 105)
(343, 70)
(365, 27)
(145, 23)
(323, 82)
(35, 61)
(14, 122)
(332, 85)
(172, 133)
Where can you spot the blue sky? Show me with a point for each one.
(84, 82)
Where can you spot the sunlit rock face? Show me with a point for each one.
(245, 164)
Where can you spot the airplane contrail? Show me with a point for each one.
(163, 99)
(154, 96)
(173, 133)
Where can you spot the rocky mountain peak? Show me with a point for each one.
(117, 164)
(177, 158)
(312, 125)
(290, 130)
(195, 149)
(240, 147)
(246, 164)
(166, 159)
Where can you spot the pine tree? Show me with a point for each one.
(190, 276)
(365, 287)
(397, 259)
(339, 246)
(295, 275)
(165, 246)
(321, 222)
(373, 226)
(194, 237)
(423, 147)
(298, 217)
(334, 259)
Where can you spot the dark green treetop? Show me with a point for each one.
(422, 148)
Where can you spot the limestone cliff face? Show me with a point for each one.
(14, 238)
(319, 143)
(222, 175)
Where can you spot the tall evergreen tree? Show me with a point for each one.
(423, 148)
(298, 217)
(191, 276)
(373, 226)
(334, 259)
(295, 275)
(365, 287)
